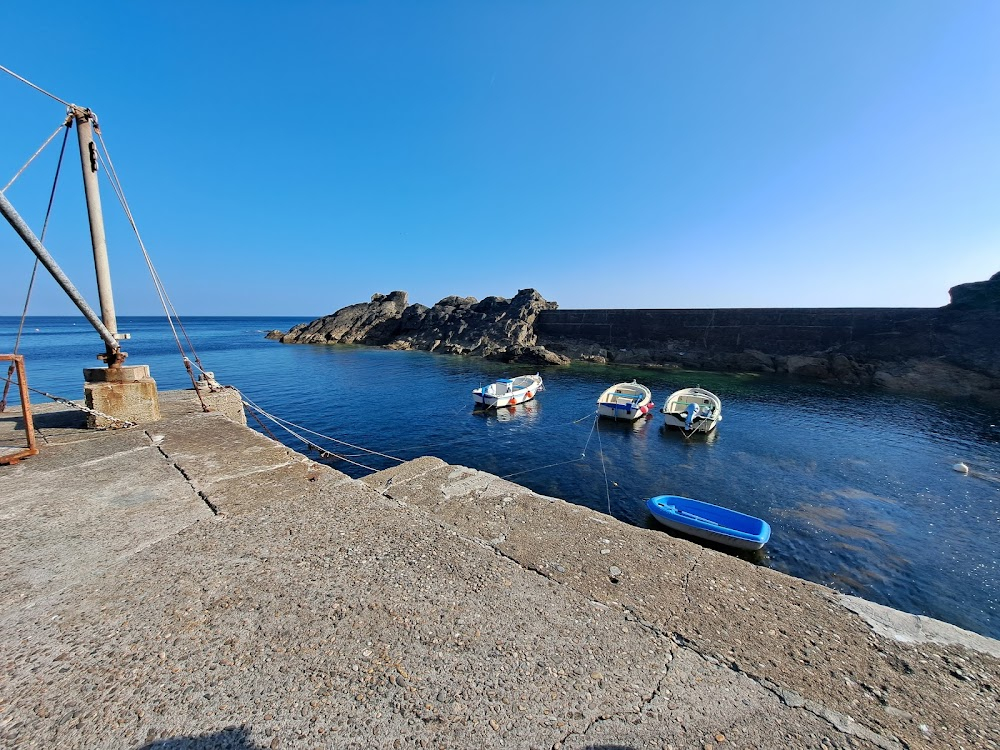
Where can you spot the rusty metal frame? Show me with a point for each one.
(29, 426)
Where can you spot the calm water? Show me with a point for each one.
(857, 486)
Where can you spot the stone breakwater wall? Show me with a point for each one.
(952, 350)
(850, 344)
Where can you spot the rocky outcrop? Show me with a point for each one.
(363, 323)
(496, 328)
(978, 295)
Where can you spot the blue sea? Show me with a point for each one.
(857, 485)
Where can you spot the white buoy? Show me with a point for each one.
(961, 467)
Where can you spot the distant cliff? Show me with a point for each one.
(952, 350)
(496, 328)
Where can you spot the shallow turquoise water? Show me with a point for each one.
(857, 485)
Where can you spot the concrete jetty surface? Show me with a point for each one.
(192, 584)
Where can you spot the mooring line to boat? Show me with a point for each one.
(122, 423)
(263, 426)
(539, 468)
(308, 443)
(474, 439)
(284, 422)
(607, 489)
(581, 457)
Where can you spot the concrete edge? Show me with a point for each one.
(908, 628)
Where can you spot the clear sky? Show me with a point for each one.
(294, 157)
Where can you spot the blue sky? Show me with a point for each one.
(291, 158)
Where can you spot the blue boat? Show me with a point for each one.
(710, 522)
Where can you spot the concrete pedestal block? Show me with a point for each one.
(123, 392)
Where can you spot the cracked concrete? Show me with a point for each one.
(163, 589)
(790, 637)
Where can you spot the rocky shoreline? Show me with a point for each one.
(494, 328)
(953, 350)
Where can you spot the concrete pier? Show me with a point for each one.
(193, 584)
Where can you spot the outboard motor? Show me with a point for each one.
(692, 412)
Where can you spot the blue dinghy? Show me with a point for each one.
(709, 521)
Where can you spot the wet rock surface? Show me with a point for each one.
(268, 601)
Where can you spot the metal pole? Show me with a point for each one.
(88, 159)
(48, 261)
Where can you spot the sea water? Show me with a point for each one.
(857, 484)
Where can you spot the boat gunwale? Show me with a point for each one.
(694, 524)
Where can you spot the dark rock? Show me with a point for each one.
(978, 295)
(372, 322)
(495, 327)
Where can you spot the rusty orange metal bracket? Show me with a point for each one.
(29, 427)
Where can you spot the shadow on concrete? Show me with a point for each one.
(230, 738)
(69, 419)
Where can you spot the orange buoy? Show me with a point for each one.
(529, 395)
(512, 401)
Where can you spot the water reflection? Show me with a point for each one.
(526, 412)
(672, 433)
(624, 426)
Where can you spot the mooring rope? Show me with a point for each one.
(308, 443)
(472, 439)
(59, 399)
(607, 489)
(581, 457)
(286, 425)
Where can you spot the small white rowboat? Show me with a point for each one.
(508, 391)
(625, 401)
(692, 410)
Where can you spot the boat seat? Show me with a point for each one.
(630, 396)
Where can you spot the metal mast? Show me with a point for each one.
(85, 120)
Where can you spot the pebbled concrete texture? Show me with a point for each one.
(787, 635)
(225, 591)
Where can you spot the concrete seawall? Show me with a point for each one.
(195, 584)
(920, 349)
(898, 332)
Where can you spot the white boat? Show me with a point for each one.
(625, 401)
(692, 410)
(508, 391)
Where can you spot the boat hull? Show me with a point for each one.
(507, 392)
(707, 404)
(511, 399)
(710, 522)
(627, 401)
(680, 422)
(617, 411)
